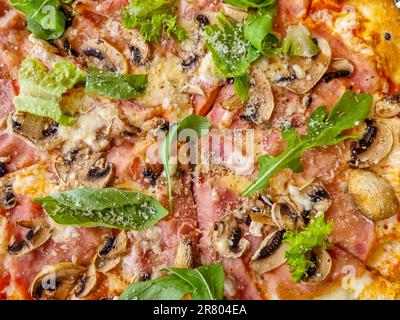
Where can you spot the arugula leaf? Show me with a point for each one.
(241, 86)
(303, 242)
(44, 17)
(257, 29)
(348, 112)
(108, 207)
(41, 91)
(244, 4)
(113, 85)
(152, 17)
(199, 124)
(298, 42)
(203, 283)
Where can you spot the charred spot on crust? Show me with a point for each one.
(107, 247)
(234, 240)
(202, 20)
(93, 53)
(272, 246)
(336, 74)
(150, 176)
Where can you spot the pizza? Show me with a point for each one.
(199, 149)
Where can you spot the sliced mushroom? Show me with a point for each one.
(312, 197)
(260, 105)
(40, 132)
(339, 68)
(43, 44)
(110, 252)
(7, 196)
(306, 72)
(39, 231)
(270, 254)
(227, 238)
(375, 145)
(140, 51)
(79, 167)
(86, 283)
(56, 282)
(373, 195)
(260, 210)
(388, 107)
(234, 13)
(286, 217)
(184, 254)
(103, 55)
(3, 169)
(322, 265)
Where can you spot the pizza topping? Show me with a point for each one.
(298, 42)
(86, 283)
(270, 254)
(375, 145)
(339, 68)
(305, 72)
(40, 132)
(110, 252)
(39, 231)
(202, 20)
(286, 217)
(321, 266)
(108, 207)
(56, 282)
(101, 54)
(45, 45)
(7, 196)
(234, 13)
(184, 254)
(226, 237)
(388, 107)
(322, 130)
(140, 51)
(373, 195)
(3, 169)
(79, 167)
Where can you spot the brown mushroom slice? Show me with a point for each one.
(56, 282)
(3, 168)
(259, 107)
(86, 283)
(103, 55)
(286, 217)
(7, 196)
(260, 211)
(110, 252)
(82, 168)
(339, 68)
(270, 254)
(375, 145)
(307, 71)
(234, 13)
(40, 132)
(39, 232)
(373, 195)
(226, 238)
(312, 196)
(388, 107)
(139, 49)
(184, 254)
(43, 44)
(322, 266)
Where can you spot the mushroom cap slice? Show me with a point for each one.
(322, 266)
(82, 168)
(86, 283)
(285, 216)
(226, 237)
(39, 132)
(260, 105)
(39, 232)
(56, 282)
(375, 145)
(270, 254)
(184, 254)
(7, 196)
(110, 252)
(373, 195)
(388, 107)
(103, 55)
(140, 51)
(314, 69)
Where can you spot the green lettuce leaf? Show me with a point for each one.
(113, 85)
(152, 17)
(244, 4)
(44, 17)
(108, 207)
(298, 42)
(41, 90)
(203, 283)
(322, 130)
